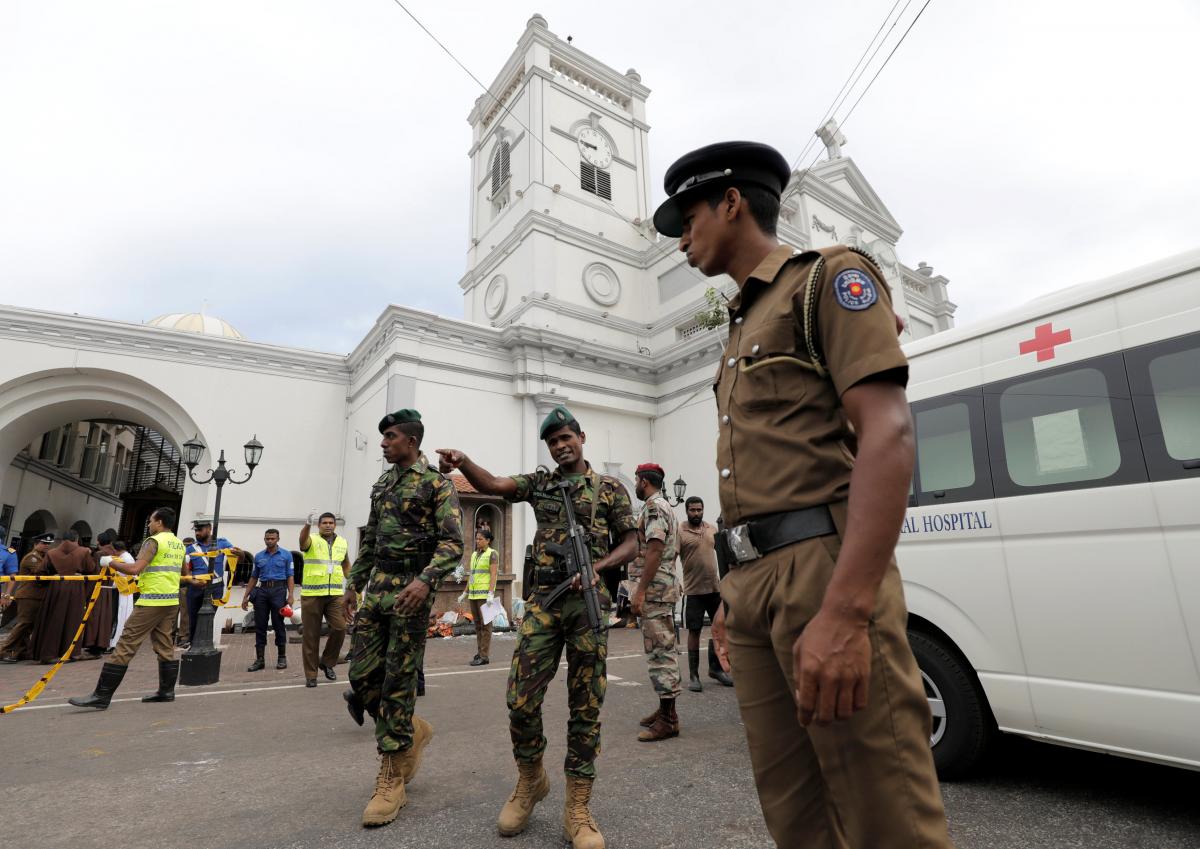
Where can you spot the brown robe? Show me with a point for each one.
(97, 633)
(63, 603)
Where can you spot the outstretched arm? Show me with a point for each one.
(480, 478)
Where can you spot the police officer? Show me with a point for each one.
(202, 560)
(654, 597)
(413, 539)
(326, 565)
(601, 506)
(271, 586)
(481, 589)
(158, 565)
(27, 596)
(814, 623)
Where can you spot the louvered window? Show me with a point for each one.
(500, 169)
(595, 180)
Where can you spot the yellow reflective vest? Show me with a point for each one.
(481, 574)
(158, 583)
(323, 566)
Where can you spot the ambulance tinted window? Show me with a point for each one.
(1175, 381)
(944, 447)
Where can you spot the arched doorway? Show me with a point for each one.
(84, 530)
(34, 404)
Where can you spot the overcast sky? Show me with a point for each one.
(299, 164)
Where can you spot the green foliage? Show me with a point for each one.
(716, 314)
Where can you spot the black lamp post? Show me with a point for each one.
(680, 487)
(202, 661)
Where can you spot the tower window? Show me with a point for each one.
(595, 180)
(500, 167)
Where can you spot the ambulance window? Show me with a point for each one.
(1060, 429)
(1175, 381)
(944, 456)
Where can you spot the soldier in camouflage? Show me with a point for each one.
(602, 507)
(412, 541)
(653, 600)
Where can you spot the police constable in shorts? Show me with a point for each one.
(814, 457)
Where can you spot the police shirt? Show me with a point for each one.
(784, 441)
(8, 561)
(200, 564)
(273, 566)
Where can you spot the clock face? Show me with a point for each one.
(593, 147)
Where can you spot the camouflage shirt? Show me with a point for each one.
(412, 509)
(613, 514)
(658, 522)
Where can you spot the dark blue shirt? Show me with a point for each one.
(273, 567)
(200, 564)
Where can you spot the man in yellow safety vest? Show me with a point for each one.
(481, 589)
(326, 565)
(158, 566)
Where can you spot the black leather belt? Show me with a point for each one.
(748, 542)
(272, 584)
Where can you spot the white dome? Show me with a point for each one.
(196, 322)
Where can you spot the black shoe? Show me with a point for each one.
(8, 658)
(110, 678)
(168, 674)
(329, 673)
(310, 682)
(282, 662)
(478, 661)
(720, 675)
(354, 706)
(258, 664)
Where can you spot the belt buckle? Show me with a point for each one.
(740, 544)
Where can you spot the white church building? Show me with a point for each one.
(570, 296)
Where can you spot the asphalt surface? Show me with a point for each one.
(260, 761)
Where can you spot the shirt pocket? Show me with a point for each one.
(770, 368)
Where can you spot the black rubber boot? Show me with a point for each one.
(168, 674)
(354, 706)
(281, 663)
(110, 678)
(694, 671)
(714, 667)
(259, 663)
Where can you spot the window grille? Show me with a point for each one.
(595, 180)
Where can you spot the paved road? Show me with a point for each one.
(260, 761)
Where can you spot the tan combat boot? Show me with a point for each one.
(578, 825)
(410, 761)
(532, 787)
(664, 727)
(389, 795)
(646, 722)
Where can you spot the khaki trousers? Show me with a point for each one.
(483, 633)
(17, 642)
(158, 623)
(863, 783)
(184, 628)
(312, 608)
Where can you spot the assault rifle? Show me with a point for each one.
(578, 560)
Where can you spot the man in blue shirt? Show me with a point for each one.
(9, 565)
(201, 565)
(271, 586)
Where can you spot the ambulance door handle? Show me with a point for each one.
(941, 493)
(1191, 464)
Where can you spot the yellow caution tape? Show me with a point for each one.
(231, 560)
(37, 688)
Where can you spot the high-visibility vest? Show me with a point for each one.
(323, 566)
(158, 583)
(481, 574)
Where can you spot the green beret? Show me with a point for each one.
(398, 417)
(558, 417)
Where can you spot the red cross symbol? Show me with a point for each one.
(1044, 341)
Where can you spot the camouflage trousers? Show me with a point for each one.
(544, 634)
(389, 648)
(658, 638)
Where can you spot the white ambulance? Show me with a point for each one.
(1051, 549)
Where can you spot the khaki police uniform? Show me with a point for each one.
(785, 444)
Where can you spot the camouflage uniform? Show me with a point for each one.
(658, 522)
(602, 507)
(414, 514)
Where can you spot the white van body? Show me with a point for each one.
(1051, 549)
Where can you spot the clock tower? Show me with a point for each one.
(560, 200)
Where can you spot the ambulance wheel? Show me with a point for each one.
(963, 726)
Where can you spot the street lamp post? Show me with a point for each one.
(680, 487)
(202, 661)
